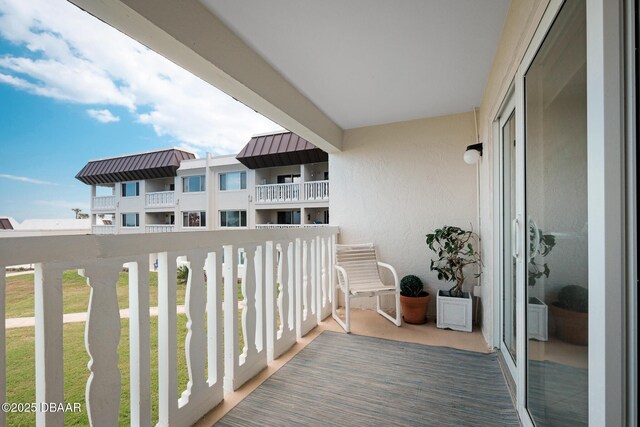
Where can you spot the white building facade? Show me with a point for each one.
(212, 193)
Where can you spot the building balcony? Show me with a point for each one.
(103, 229)
(160, 199)
(159, 228)
(103, 203)
(312, 191)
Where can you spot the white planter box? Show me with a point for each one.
(537, 320)
(455, 313)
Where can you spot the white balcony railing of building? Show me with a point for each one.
(280, 226)
(299, 261)
(103, 203)
(160, 199)
(316, 190)
(279, 193)
(159, 228)
(103, 229)
(272, 193)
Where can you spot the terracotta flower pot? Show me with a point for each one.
(414, 309)
(571, 326)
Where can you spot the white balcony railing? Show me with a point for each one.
(103, 203)
(103, 229)
(316, 190)
(272, 193)
(279, 226)
(159, 228)
(160, 199)
(279, 193)
(286, 277)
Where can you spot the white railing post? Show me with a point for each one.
(102, 335)
(48, 342)
(306, 308)
(254, 356)
(319, 275)
(270, 281)
(139, 342)
(195, 349)
(230, 317)
(213, 268)
(298, 288)
(167, 340)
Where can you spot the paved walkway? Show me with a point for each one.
(23, 322)
(18, 273)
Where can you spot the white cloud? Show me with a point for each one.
(76, 58)
(103, 116)
(26, 179)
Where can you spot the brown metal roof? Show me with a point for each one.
(5, 224)
(279, 149)
(155, 164)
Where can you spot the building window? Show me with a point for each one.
(288, 179)
(233, 218)
(288, 217)
(130, 220)
(325, 217)
(233, 181)
(130, 189)
(194, 219)
(193, 184)
(326, 176)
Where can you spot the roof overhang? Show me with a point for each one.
(135, 167)
(281, 149)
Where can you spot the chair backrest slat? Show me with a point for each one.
(360, 262)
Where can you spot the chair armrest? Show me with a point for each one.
(342, 273)
(393, 271)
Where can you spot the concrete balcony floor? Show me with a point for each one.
(366, 323)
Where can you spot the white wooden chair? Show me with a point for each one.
(358, 276)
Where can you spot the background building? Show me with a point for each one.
(278, 180)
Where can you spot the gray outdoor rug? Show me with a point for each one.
(558, 394)
(350, 380)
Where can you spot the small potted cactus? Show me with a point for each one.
(570, 315)
(414, 300)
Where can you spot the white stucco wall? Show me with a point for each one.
(395, 183)
(232, 199)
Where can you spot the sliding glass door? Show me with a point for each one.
(543, 224)
(555, 130)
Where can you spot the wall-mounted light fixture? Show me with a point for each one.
(473, 153)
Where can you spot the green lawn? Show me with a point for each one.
(20, 350)
(21, 370)
(75, 291)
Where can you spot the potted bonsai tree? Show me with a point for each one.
(414, 300)
(454, 249)
(540, 245)
(570, 314)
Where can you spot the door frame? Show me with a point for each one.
(505, 111)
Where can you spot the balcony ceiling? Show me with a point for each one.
(367, 62)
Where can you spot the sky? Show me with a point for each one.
(73, 89)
